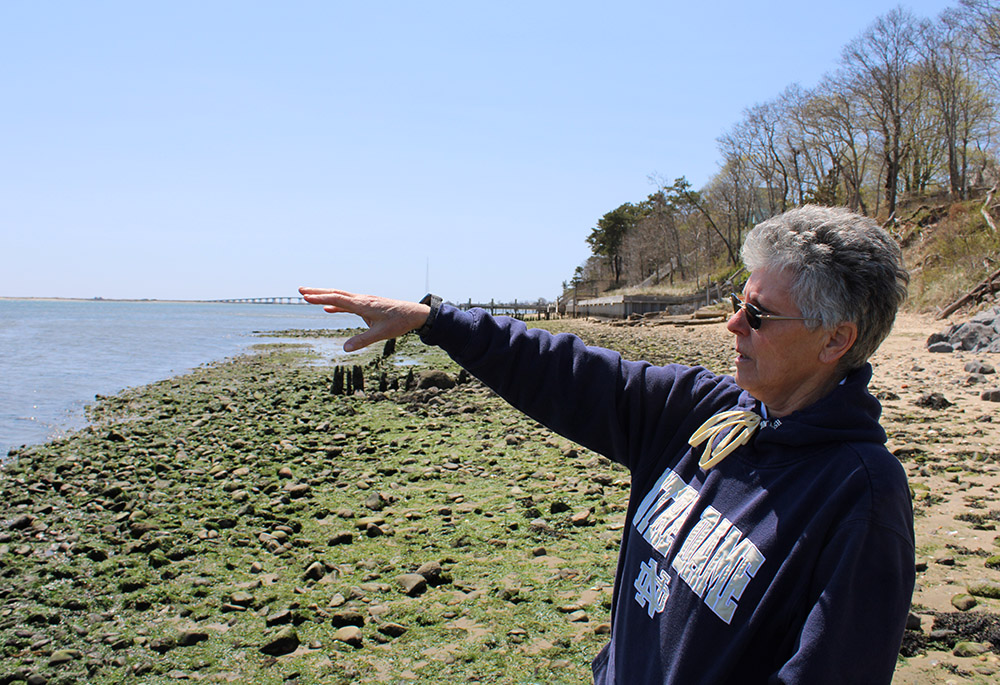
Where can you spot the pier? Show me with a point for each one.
(515, 308)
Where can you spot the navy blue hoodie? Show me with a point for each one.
(791, 561)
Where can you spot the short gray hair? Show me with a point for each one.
(845, 269)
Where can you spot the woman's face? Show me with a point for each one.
(779, 363)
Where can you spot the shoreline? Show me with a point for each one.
(242, 522)
(4, 298)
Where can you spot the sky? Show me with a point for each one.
(228, 149)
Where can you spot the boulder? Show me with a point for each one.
(435, 379)
(978, 334)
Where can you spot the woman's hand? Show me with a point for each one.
(385, 318)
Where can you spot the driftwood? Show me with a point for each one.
(986, 212)
(984, 288)
(700, 322)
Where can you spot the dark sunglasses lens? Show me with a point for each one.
(753, 320)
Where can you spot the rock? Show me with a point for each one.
(342, 537)
(21, 522)
(186, 638)
(941, 347)
(990, 395)
(350, 635)
(970, 649)
(540, 525)
(278, 618)
(912, 621)
(979, 367)
(63, 656)
(298, 490)
(315, 571)
(582, 518)
(963, 602)
(347, 617)
(432, 573)
(435, 379)
(392, 629)
(285, 472)
(375, 501)
(984, 588)
(139, 528)
(163, 645)
(241, 599)
(934, 400)
(558, 507)
(285, 641)
(972, 336)
(413, 584)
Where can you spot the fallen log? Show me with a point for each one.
(986, 286)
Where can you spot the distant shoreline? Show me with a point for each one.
(5, 298)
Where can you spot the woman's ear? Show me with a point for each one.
(840, 340)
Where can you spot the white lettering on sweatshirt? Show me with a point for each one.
(714, 559)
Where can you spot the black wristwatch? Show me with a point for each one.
(435, 304)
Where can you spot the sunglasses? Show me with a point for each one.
(755, 317)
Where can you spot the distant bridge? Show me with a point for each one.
(262, 300)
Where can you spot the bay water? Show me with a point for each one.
(56, 355)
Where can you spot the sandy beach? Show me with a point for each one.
(243, 523)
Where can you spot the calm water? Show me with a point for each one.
(56, 355)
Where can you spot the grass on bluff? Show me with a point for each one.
(948, 254)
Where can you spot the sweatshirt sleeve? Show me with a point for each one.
(587, 394)
(862, 589)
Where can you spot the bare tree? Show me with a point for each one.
(878, 65)
(960, 101)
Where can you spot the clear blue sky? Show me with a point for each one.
(212, 149)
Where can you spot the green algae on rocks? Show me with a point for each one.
(243, 522)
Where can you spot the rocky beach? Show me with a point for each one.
(276, 519)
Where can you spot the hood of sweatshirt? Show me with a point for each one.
(847, 414)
